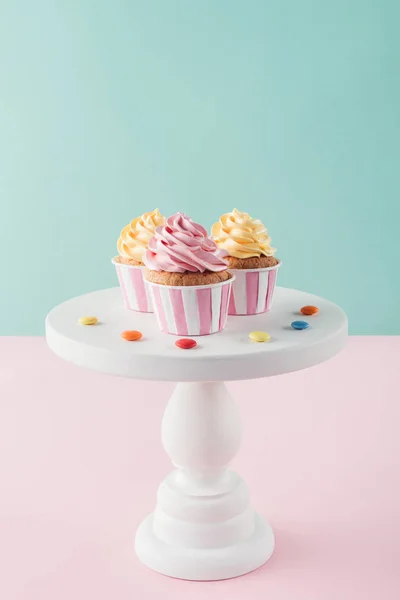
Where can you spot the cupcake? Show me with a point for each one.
(251, 259)
(132, 244)
(188, 277)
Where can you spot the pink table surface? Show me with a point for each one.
(81, 459)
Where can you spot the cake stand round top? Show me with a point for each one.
(224, 356)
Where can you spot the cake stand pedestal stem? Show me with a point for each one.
(203, 527)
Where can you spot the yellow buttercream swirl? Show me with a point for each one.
(242, 236)
(135, 237)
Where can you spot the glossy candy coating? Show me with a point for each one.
(88, 320)
(300, 325)
(131, 335)
(186, 343)
(309, 310)
(259, 336)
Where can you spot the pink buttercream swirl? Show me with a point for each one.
(181, 245)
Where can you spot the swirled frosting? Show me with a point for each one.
(241, 236)
(135, 237)
(182, 245)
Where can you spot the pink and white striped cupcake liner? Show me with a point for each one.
(191, 310)
(135, 292)
(253, 290)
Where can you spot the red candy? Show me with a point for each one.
(186, 343)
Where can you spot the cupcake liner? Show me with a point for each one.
(135, 291)
(191, 310)
(253, 290)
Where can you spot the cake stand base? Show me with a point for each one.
(203, 527)
(204, 564)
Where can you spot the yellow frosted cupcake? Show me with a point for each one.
(135, 237)
(132, 245)
(251, 259)
(245, 239)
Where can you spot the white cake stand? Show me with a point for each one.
(203, 527)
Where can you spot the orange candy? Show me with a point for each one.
(309, 310)
(131, 335)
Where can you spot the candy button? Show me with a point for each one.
(259, 336)
(186, 343)
(300, 325)
(309, 310)
(131, 335)
(88, 320)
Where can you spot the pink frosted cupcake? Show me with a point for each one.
(188, 278)
(251, 259)
(132, 244)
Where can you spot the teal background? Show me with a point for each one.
(286, 109)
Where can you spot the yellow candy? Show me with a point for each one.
(88, 320)
(259, 336)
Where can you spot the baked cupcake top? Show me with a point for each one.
(183, 245)
(241, 236)
(135, 237)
